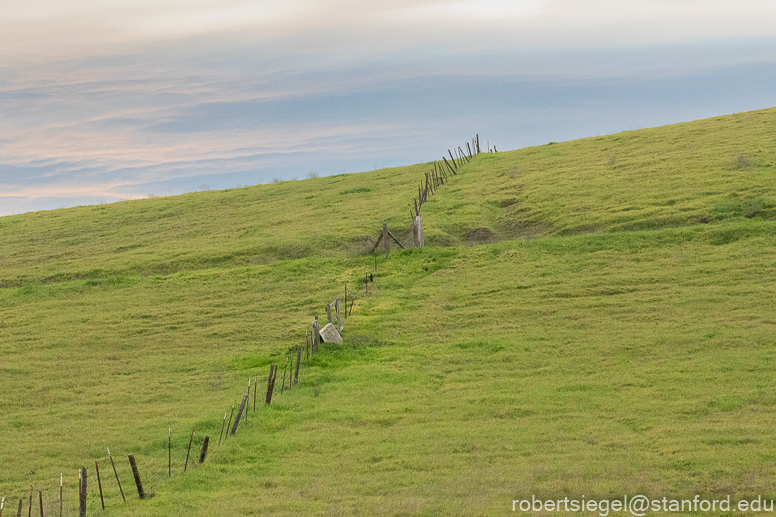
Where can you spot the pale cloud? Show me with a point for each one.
(107, 98)
(56, 28)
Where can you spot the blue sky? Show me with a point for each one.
(108, 100)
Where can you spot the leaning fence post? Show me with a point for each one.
(239, 413)
(269, 384)
(273, 374)
(203, 452)
(136, 474)
(99, 484)
(189, 450)
(248, 400)
(229, 425)
(117, 476)
(298, 360)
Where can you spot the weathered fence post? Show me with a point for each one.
(229, 425)
(99, 484)
(243, 405)
(189, 450)
(19, 513)
(169, 450)
(29, 512)
(136, 474)
(316, 336)
(298, 360)
(268, 399)
(40, 499)
(203, 452)
(247, 401)
(339, 318)
(117, 477)
(61, 482)
(417, 232)
(82, 493)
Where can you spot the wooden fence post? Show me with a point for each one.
(243, 405)
(247, 400)
(328, 313)
(339, 318)
(189, 450)
(117, 477)
(203, 452)
(19, 513)
(169, 450)
(229, 425)
(82, 493)
(298, 360)
(316, 336)
(29, 513)
(99, 484)
(268, 398)
(136, 474)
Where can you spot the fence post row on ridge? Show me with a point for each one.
(431, 182)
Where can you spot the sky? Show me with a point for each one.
(108, 100)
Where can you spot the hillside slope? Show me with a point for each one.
(626, 347)
(697, 172)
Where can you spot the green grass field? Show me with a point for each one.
(593, 318)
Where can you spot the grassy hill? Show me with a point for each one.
(591, 318)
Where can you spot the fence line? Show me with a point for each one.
(150, 467)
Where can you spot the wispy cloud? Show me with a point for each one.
(108, 99)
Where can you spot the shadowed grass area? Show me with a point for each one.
(582, 361)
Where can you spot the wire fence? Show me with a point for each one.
(111, 480)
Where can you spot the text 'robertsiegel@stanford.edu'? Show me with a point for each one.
(639, 505)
